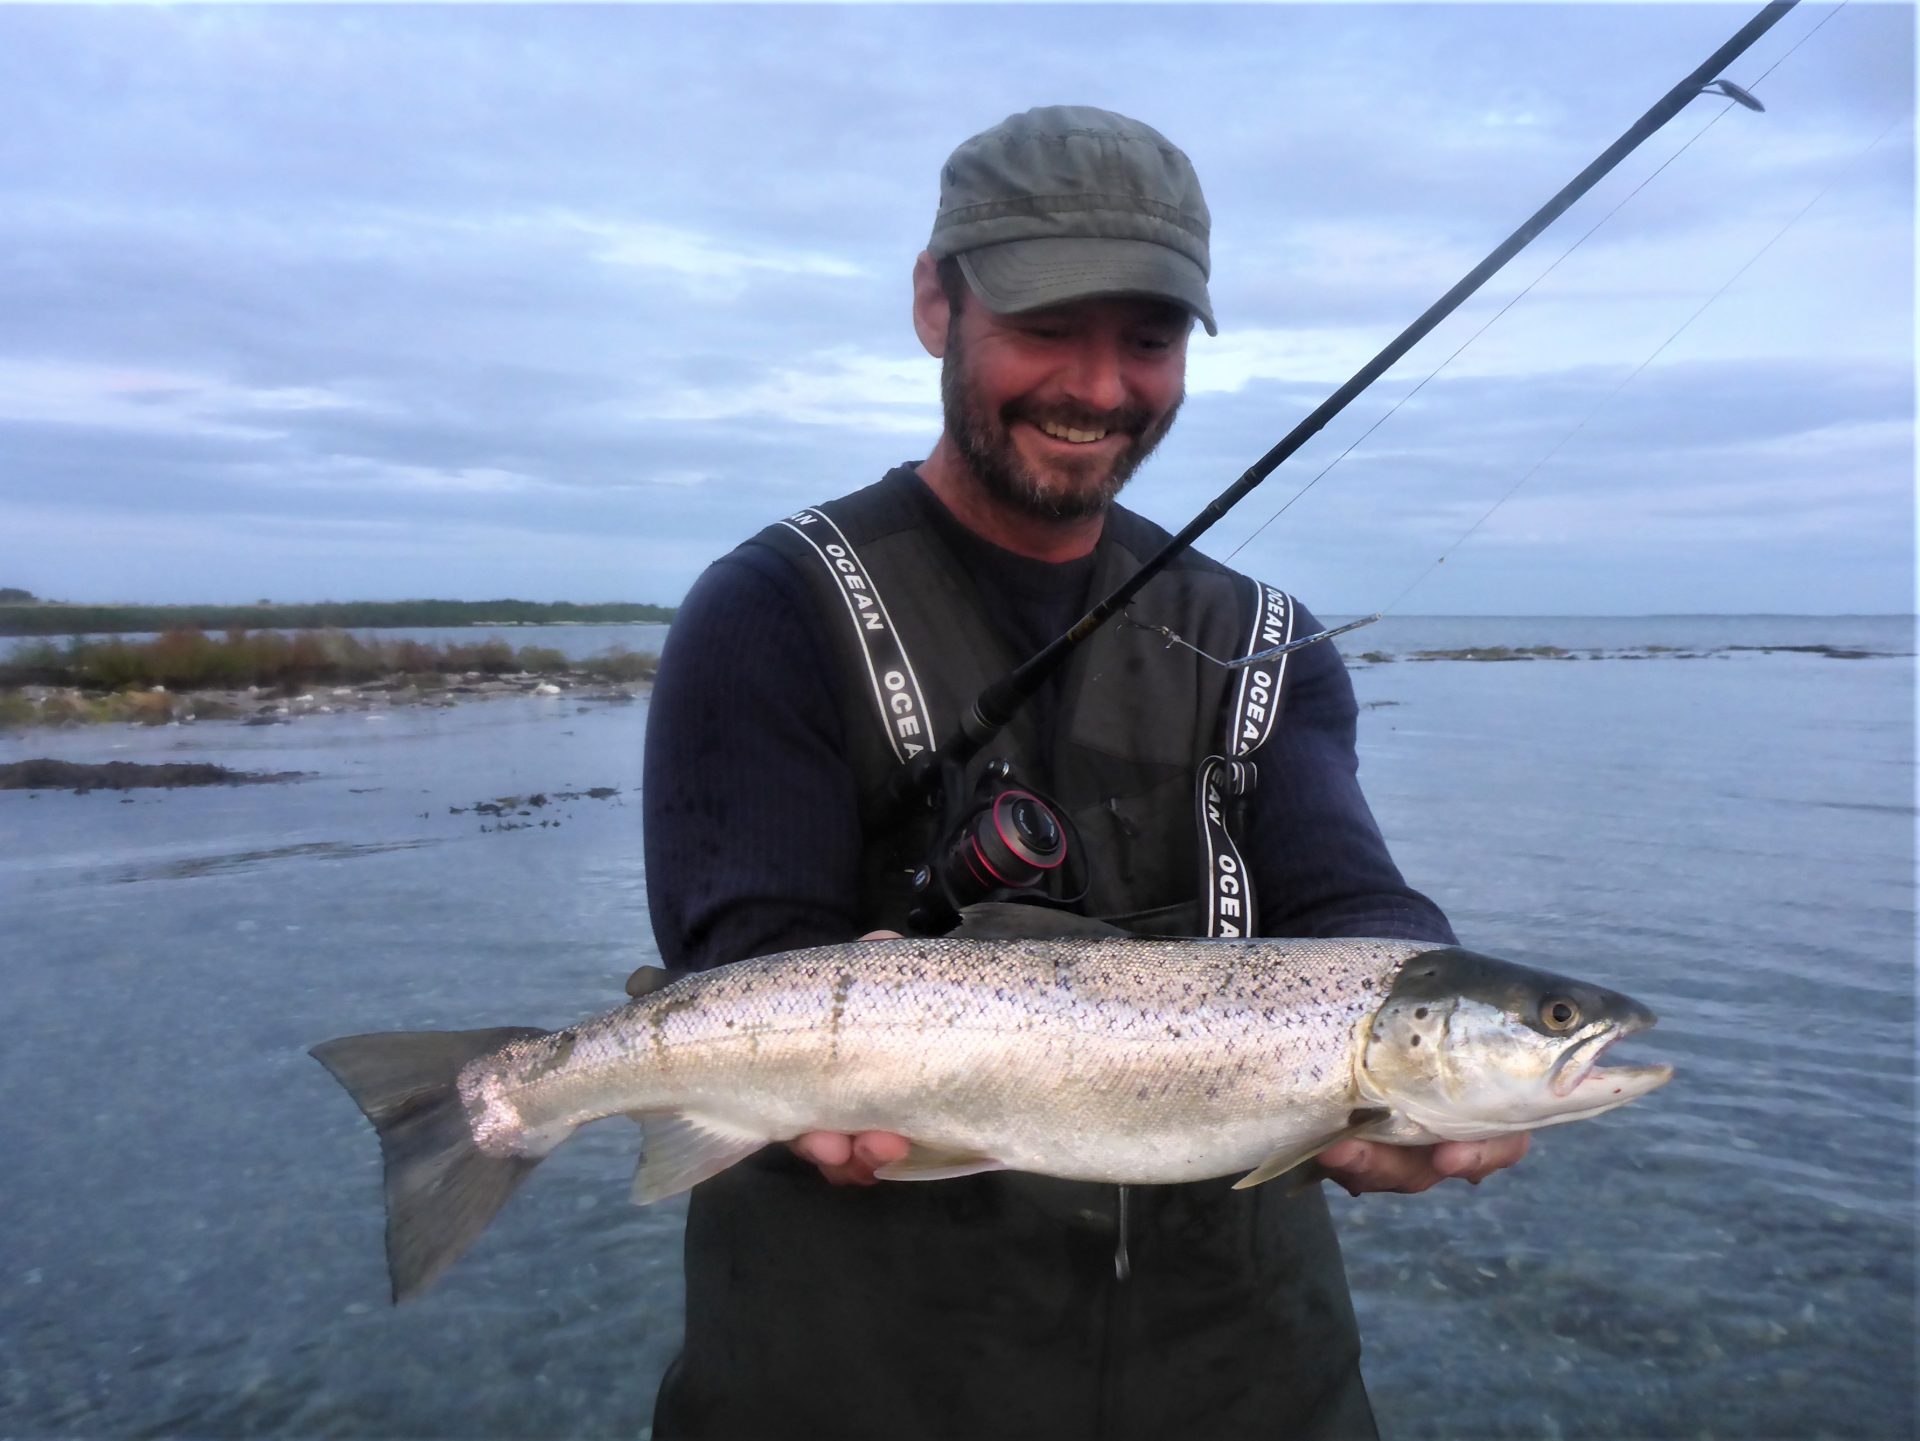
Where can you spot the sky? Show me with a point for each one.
(560, 303)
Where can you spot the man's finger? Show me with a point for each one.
(1370, 1166)
(1347, 1155)
(874, 1149)
(824, 1148)
(846, 1160)
(1476, 1160)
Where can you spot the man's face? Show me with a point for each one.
(1054, 409)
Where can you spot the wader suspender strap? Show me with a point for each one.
(1250, 717)
(896, 689)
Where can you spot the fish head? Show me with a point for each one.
(1467, 1046)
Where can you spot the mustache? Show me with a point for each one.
(1128, 419)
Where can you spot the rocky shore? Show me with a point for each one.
(1638, 652)
(40, 705)
(268, 705)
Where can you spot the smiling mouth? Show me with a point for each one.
(1072, 434)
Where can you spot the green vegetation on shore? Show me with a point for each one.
(186, 659)
(57, 618)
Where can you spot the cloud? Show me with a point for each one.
(701, 258)
(842, 388)
(147, 400)
(555, 281)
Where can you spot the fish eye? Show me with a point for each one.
(1557, 1013)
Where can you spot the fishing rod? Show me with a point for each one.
(938, 768)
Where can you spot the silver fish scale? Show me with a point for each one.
(1093, 1059)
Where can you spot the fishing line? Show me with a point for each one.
(1603, 401)
(1798, 43)
(1496, 316)
(1751, 261)
(1517, 298)
(939, 772)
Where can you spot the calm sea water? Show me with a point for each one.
(192, 1213)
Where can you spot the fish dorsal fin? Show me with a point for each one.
(1284, 1160)
(681, 1150)
(1009, 920)
(936, 1163)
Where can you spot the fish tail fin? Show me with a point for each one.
(442, 1190)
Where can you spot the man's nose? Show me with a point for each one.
(1095, 377)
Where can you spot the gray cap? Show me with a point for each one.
(1066, 202)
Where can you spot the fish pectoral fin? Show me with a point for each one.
(1283, 1161)
(680, 1151)
(936, 1163)
(1010, 920)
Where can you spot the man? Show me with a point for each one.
(1067, 266)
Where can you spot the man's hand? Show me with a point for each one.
(1373, 1166)
(851, 1160)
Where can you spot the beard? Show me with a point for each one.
(1068, 489)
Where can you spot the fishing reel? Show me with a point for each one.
(998, 842)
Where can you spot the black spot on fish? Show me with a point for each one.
(842, 987)
(657, 1018)
(562, 1048)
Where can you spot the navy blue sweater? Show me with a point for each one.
(752, 838)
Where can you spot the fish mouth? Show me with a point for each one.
(1579, 1074)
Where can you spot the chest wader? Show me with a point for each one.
(989, 1306)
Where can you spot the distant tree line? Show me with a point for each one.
(20, 614)
(190, 659)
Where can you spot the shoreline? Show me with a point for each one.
(38, 706)
(41, 706)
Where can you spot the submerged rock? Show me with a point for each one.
(49, 775)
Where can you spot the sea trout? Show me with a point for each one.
(1079, 1052)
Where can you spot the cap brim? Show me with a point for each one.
(1019, 275)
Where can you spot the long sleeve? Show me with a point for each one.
(752, 832)
(1320, 864)
(752, 837)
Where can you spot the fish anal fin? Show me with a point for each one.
(1287, 1159)
(936, 1163)
(680, 1150)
